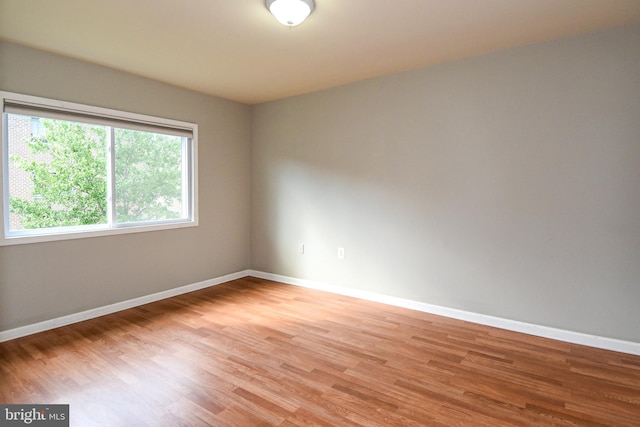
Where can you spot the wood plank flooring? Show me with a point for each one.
(253, 352)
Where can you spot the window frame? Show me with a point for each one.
(71, 111)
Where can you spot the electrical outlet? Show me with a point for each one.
(301, 248)
(341, 253)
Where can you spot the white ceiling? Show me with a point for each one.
(236, 50)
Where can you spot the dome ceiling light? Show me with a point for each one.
(290, 12)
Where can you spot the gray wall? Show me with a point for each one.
(506, 184)
(47, 280)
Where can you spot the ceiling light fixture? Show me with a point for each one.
(290, 12)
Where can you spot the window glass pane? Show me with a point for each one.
(148, 176)
(71, 171)
(57, 173)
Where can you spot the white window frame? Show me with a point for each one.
(101, 115)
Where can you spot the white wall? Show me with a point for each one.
(42, 281)
(506, 184)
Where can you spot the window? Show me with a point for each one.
(71, 170)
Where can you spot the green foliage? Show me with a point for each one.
(70, 187)
(70, 176)
(148, 176)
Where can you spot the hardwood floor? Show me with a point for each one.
(253, 352)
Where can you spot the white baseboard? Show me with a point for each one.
(112, 308)
(613, 344)
(511, 325)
